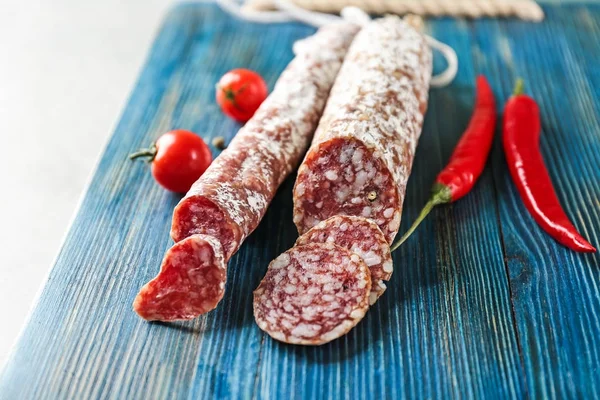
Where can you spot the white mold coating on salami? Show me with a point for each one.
(362, 153)
(191, 281)
(230, 199)
(312, 294)
(361, 236)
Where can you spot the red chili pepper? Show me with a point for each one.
(468, 159)
(521, 138)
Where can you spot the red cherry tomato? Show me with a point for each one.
(178, 159)
(240, 92)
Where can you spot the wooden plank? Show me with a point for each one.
(445, 328)
(554, 290)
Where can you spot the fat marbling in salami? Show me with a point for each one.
(191, 281)
(363, 149)
(312, 294)
(361, 236)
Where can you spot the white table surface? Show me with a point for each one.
(66, 69)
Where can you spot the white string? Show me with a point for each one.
(291, 12)
(445, 78)
(303, 15)
(265, 17)
(355, 15)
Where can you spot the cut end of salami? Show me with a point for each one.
(342, 176)
(312, 294)
(361, 236)
(363, 149)
(191, 282)
(197, 214)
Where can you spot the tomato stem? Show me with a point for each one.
(231, 94)
(151, 152)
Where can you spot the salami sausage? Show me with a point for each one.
(229, 200)
(362, 153)
(191, 281)
(361, 236)
(312, 294)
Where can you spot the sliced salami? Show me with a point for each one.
(191, 281)
(312, 294)
(232, 196)
(362, 153)
(361, 236)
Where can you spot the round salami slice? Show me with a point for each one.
(362, 153)
(361, 236)
(312, 294)
(191, 281)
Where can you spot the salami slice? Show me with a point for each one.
(312, 294)
(361, 236)
(227, 203)
(362, 153)
(191, 281)
(230, 199)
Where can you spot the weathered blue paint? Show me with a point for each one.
(482, 303)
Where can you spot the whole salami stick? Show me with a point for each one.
(362, 153)
(227, 203)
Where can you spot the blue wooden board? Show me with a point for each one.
(482, 303)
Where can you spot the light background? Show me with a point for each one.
(66, 69)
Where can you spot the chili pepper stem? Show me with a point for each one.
(151, 152)
(441, 194)
(519, 87)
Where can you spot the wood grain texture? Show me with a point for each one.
(482, 303)
(555, 292)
